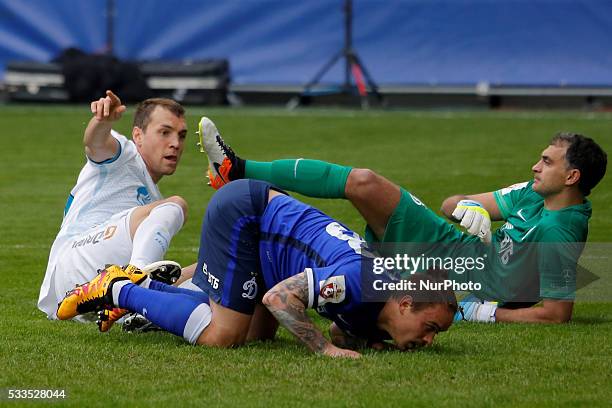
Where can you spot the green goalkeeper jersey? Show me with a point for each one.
(532, 256)
(535, 253)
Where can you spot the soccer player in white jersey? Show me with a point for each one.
(115, 213)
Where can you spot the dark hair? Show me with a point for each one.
(142, 117)
(585, 155)
(422, 298)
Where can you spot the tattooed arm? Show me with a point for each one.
(287, 302)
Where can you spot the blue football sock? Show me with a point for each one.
(179, 313)
(163, 287)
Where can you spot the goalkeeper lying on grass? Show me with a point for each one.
(264, 259)
(531, 258)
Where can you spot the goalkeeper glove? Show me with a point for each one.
(474, 218)
(472, 309)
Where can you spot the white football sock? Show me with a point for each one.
(154, 233)
(198, 320)
(116, 290)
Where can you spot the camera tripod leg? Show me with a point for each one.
(297, 100)
(370, 81)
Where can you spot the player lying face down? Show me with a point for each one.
(264, 259)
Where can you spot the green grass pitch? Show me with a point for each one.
(433, 154)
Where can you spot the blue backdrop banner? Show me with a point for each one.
(431, 42)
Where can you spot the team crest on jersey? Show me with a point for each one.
(333, 290)
(506, 249)
(513, 187)
(250, 289)
(143, 196)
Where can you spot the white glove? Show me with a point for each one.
(473, 309)
(474, 218)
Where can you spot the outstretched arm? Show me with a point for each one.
(551, 311)
(98, 142)
(287, 302)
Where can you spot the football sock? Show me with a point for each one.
(313, 178)
(154, 233)
(179, 313)
(237, 170)
(163, 287)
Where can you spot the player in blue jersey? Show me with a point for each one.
(264, 259)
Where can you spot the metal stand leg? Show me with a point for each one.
(352, 60)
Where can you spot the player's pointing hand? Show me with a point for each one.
(108, 108)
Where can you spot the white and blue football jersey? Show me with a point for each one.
(103, 193)
(107, 188)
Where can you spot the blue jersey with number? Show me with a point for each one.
(298, 238)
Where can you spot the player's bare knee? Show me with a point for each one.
(221, 340)
(218, 342)
(180, 201)
(361, 183)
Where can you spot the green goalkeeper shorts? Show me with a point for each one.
(412, 221)
(415, 230)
